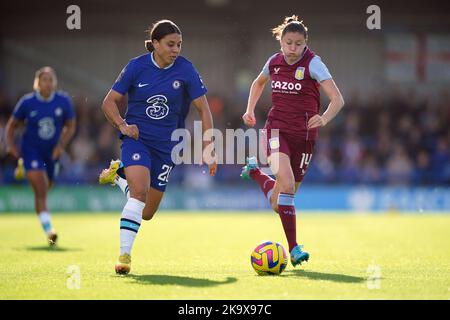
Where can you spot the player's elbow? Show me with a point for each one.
(72, 128)
(339, 100)
(10, 126)
(259, 83)
(105, 104)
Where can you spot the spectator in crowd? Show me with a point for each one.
(358, 148)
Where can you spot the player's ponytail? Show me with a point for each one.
(290, 24)
(159, 30)
(290, 19)
(149, 45)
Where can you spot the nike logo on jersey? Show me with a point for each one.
(161, 184)
(140, 85)
(33, 113)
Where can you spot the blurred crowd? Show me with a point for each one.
(395, 139)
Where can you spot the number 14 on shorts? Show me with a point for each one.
(306, 159)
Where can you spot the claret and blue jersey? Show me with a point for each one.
(295, 92)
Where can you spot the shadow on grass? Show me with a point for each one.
(49, 249)
(336, 277)
(179, 281)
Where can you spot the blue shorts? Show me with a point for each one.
(158, 163)
(36, 159)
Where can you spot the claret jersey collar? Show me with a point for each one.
(156, 65)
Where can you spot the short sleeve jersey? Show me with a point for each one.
(44, 118)
(158, 98)
(295, 92)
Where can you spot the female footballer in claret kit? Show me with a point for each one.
(296, 74)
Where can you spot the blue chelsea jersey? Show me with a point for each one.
(158, 98)
(44, 119)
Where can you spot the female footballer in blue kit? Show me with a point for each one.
(50, 124)
(159, 85)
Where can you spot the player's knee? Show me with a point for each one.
(140, 195)
(40, 194)
(287, 186)
(274, 201)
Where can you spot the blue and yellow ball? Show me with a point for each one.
(269, 258)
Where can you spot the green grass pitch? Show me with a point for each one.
(185, 255)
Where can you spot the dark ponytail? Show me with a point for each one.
(159, 30)
(290, 24)
(149, 45)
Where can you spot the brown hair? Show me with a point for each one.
(290, 24)
(159, 30)
(39, 73)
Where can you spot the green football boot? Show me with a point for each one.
(250, 164)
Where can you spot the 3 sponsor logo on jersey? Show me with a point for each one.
(158, 108)
(285, 85)
(46, 128)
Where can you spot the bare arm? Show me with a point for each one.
(111, 110)
(335, 105)
(255, 93)
(11, 127)
(67, 133)
(202, 106)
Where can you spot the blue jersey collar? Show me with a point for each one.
(156, 65)
(42, 99)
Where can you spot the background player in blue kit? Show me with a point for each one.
(160, 85)
(50, 124)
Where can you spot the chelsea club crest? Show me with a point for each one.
(176, 84)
